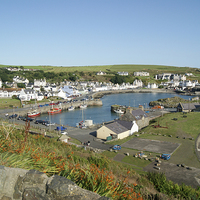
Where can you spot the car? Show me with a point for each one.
(38, 121)
(166, 156)
(50, 124)
(27, 119)
(45, 122)
(116, 147)
(64, 133)
(13, 116)
(20, 117)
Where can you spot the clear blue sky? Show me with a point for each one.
(100, 32)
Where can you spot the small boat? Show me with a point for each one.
(33, 113)
(83, 106)
(53, 111)
(119, 111)
(71, 108)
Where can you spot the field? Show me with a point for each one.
(114, 68)
(7, 103)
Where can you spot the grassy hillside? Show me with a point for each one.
(113, 68)
(89, 72)
(99, 172)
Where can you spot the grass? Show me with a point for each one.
(9, 103)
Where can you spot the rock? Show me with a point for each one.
(18, 184)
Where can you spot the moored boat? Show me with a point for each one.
(33, 113)
(119, 111)
(83, 106)
(53, 111)
(71, 108)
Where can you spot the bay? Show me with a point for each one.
(101, 114)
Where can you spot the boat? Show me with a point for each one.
(33, 113)
(71, 108)
(83, 106)
(119, 111)
(53, 111)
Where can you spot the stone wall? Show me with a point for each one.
(21, 184)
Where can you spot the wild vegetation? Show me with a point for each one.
(96, 172)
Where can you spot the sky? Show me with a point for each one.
(100, 32)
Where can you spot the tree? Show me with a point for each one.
(118, 79)
(20, 85)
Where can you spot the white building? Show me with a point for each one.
(141, 73)
(123, 73)
(40, 82)
(9, 92)
(0, 83)
(152, 86)
(101, 73)
(18, 79)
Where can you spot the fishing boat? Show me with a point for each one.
(53, 111)
(119, 111)
(33, 113)
(71, 108)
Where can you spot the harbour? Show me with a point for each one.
(100, 114)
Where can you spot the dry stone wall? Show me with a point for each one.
(20, 184)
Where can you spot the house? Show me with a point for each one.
(27, 95)
(0, 83)
(40, 82)
(29, 86)
(152, 86)
(101, 73)
(18, 79)
(141, 74)
(188, 107)
(9, 92)
(117, 129)
(122, 73)
(141, 117)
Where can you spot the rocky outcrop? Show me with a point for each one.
(20, 184)
(168, 102)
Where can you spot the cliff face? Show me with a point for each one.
(18, 184)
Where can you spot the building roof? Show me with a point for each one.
(133, 115)
(116, 127)
(190, 106)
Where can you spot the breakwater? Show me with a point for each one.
(102, 93)
(65, 106)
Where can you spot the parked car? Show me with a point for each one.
(45, 122)
(27, 119)
(38, 121)
(166, 156)
(20, 117)
(116, 147)
(13, 116)
(50, 124)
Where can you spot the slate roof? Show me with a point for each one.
(117, 127)
(134, 115)
(190, 106)
(138, 114)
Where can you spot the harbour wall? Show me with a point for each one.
(65, 106)
(102, 93)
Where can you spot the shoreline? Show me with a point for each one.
(100, 94)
